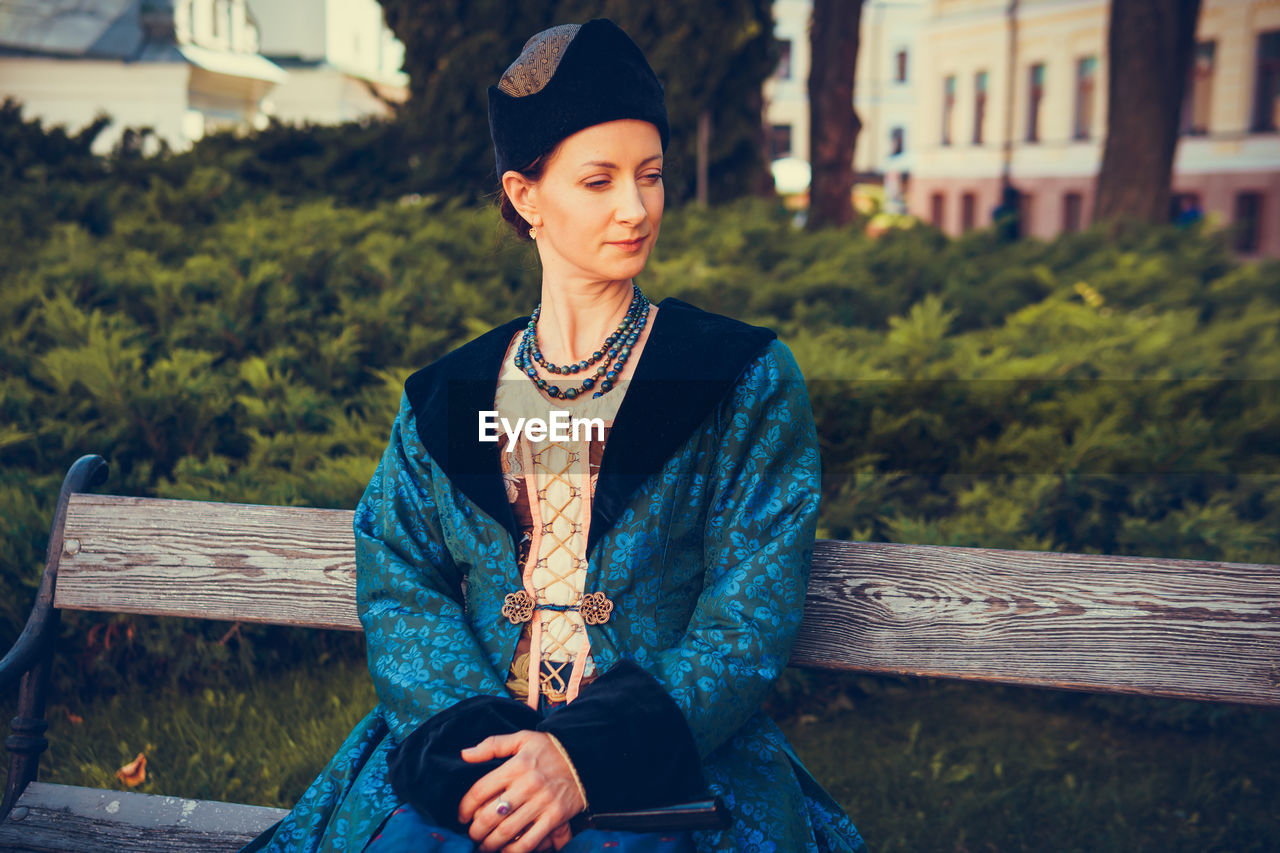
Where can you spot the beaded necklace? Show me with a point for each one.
(616, 348)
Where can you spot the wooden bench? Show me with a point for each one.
(1154, 627)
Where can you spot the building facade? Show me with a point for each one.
(940, 85)
(180, 67)
(883, 94)
(343, 60)
(786, 93)
(1045, 90)
(187, 67)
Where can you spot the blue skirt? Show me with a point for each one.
(407, 832)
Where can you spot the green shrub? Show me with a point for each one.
(219, 342)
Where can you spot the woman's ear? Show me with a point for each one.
(521, 191)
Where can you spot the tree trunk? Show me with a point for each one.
(704, 154)
(1149, 51)
(833, 125)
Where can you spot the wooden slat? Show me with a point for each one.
(1108, 624)
(1177, 628)
(279, 565)
(66, 818)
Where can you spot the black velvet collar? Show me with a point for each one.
(690, 360)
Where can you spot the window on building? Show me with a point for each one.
(1072, 212)
(1025, 208)
(1266, 102)
(219, 18)
(1035, 90)
(1196, 102)
(783, 71)
(979, 105)
(1086, 85)
(780, 140)
(937, 205)
(1247, 223)
(900, 66)
(968, 211)
(897, 141)
(948, 106)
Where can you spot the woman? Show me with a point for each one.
(564, 621)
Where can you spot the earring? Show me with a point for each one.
(533, 233)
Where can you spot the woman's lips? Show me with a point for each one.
(629, 245)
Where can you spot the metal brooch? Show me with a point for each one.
(518, 607)
(595, 608)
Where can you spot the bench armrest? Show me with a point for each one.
(32, 653)
(42, 624)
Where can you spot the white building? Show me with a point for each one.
(184, 67)
(180, 69)
(1046, 87)
(343, 60)
(786, 93)
(937, 94)
(884, 84)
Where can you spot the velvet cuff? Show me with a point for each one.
(426, 770)
(627, 740)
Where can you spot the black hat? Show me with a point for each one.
(568, 78)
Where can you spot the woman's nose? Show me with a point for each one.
(631, 209)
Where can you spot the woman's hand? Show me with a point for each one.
(538, 785)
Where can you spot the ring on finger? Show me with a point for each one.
(503, 807)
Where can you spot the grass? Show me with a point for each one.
(920, 765)
(962, 767)
(262, 744)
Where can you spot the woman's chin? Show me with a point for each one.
(630, 267)
(606, 269)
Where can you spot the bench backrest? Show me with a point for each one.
(1161, 627)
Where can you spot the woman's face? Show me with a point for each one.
(599, 202)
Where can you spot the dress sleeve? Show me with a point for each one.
(757, 548)
(423, 655)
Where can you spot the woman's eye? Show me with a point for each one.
(653, 176)
(595, 185)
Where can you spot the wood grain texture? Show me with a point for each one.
(1178, 628)
(1078, 621)
(67, 818)
(280, 565)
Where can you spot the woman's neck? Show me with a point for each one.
(576, 318)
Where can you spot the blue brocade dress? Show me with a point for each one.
(700, 535)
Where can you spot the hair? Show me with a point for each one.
(532, 172)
